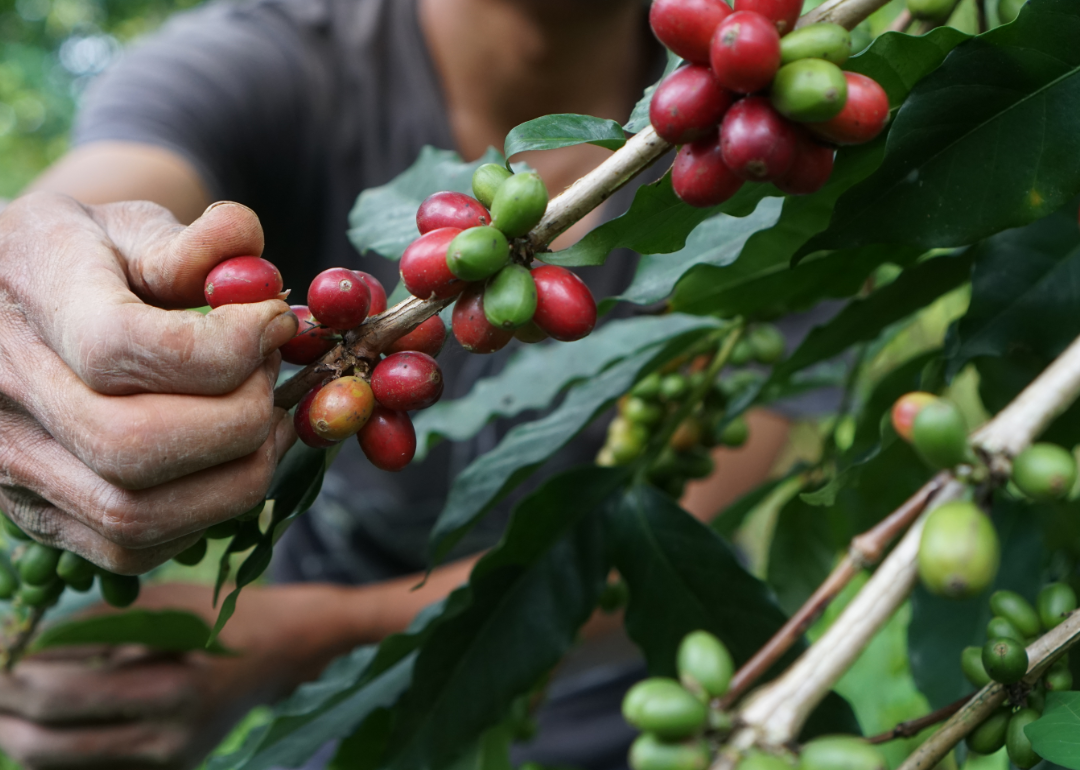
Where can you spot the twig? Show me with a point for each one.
(846, 13)
(16, 644)
(901, 22)
(913, 727)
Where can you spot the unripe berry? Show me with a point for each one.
(972, 666)
(339, 299)
(388, 439)
(664, 707)
(934, 10)
(809, 89)
(9, 583)
(1005, 660)
(939, 434)
(823, 40)
(705, 665)
(906, 408)
(407, 381)
(471, 327)
(782, 13)
(1044, 472)
(76, 571)
(767, 343)
(486, 181)
(700, 177)
(745, 52)
(519, 204)
(1000, 628)
(1021, 752)
(193, 554)
(864, 114)
(41, 596)
(650, 753)
(959, 551)
(1017, 610)
(1055, 602)
(756, 142)
(841, 752)
(428, 337)
(477, 253)
(119, 590)
(510, 297)
(311, 342)
(378, 292)
(341, 408)
(37, 564)
(565, 307)
(450, 209)
(423, 266)
(242, 280)
(687, 26)
(989, 737)
(302, 423)
(1059, 678)
(688, 105)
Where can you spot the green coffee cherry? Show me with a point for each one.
(767, 342)
(1008, 10)
(930, 9)
(989, 737)
(626, 440)
(11, 529)
(9, 582)
(41, 596)
(1059, 678)
(1036, 699)
(959, 551)
(642, 412)
(664, 707)
(519, 204)
(487, 180)
(1054, 602)
(735, 433)
(1005, 660)
(648, 388)
(119, 590)
(1017, 743)
(824, 40)
(667, 466)
(809, 90)
(674, 387)
(1017, 610)
(510, 298)
(476, 253)
(939, 434)
(650, 753)
(705, 665)
(972, 666)
(76, 571)
(223, 529)
(841, 752)
(193, 554)
(742, 353)
(759, 760)
(1000, 628)
(37, 564)
(1044, 472)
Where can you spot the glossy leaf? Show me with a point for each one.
(383, 219)
(984, 143)
(554, 131)
(166, 630)
(1055, 736)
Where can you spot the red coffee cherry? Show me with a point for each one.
(428, 338)
(745, 52)
(378, 293)
(423, 266)
(864, 115)
(407, 381)
(688, 105)
(451, 209)
(302, 422)
(388, 439)
(341, 408)
(339, 299)
(311, 341)
(687, 26)
(757, 143)
(471, 327)
(242, 280)
(811, 168)
(783, 13)
(700, 176)
(565, 307)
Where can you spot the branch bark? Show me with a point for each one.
(847, 13)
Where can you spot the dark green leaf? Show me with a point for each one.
(898, 62)
(732, 517)
(168, 630)
(639, 118)
(1056, 735)
(554, 131)
(538, 373)
(250, 570)
(984, 143)
(384, 218)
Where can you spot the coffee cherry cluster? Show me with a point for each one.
(1016, 623)
(39, 574)
(757, 101)
(466, 249)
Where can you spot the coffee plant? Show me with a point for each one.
(814, 164)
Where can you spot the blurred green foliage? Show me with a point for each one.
(49, 51)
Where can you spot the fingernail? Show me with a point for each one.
(215, 204)
(278, 332)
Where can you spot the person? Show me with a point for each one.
(127, 429)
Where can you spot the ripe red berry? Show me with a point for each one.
(783, 13)
(311, 341)
(757, 143)
(864, 115)
(423, 266)
(699, 175)
(811, 168)
(451, 209)
(341, 408)
(388, 439)
(428, 338)
(339, 299)
(471, 326)
(688, 105)
(242, 280)
(406, 381)
(687, 26)
(378, 293)
(302, 422)
(565, 307)
(745, 52)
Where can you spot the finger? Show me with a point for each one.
(125, 746)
